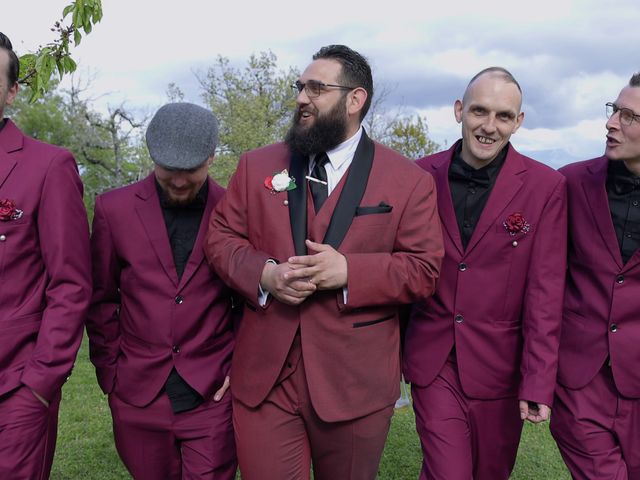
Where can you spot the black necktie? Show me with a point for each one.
(319, 191)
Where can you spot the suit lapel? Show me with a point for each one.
(298, 203)
(150, 214)
(197, 254)
(595, 192)
(11, 140)
(507, 184)
(6, 165)
(445, 203)
(352, 193)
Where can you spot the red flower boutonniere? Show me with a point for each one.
(8, 210)
(515, 223)
(280, 182)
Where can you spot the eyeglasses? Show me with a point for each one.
(627, 116)
(314, 88)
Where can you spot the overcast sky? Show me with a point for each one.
(570, 57)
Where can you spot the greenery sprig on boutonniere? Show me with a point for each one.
(280, 182)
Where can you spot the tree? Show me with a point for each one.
(38, 68)
(108, 147)
(410, 137)
(253, 105)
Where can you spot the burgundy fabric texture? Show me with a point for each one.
(462, 437)
(598, 430)
(153, 442)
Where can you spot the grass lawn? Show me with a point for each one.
(86, 451)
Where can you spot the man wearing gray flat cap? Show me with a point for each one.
(160, 322)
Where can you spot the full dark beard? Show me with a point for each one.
(327, 132)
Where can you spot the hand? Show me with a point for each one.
(327, 269)
(292, 291)
(220, 393)
(40, 398)
(534, 412)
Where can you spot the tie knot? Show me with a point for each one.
(322, 159)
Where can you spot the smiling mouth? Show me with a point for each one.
(485, 140)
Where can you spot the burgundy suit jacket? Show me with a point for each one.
(382, 217)
(602, 297)
(499, 301)
(143, 321)
(45, 279)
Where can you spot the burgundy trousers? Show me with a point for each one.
(464, 438)
(155, 443)
(283, 436)
(598, 430)
(28, 432)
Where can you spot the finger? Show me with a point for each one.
(220, 393)
(524, 409)
(317, 247)
(300, 273)
(302, 260)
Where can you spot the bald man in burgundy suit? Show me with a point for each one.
(45, 286)
(481, 354)
(596, 419)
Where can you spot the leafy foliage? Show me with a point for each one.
(253, 105)
(38, 68)
(108, 147)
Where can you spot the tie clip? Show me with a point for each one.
(313, 179)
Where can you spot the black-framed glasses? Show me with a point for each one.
(627, 116)
(313, 88)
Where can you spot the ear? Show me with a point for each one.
(11, 94)
(355, 101)
(457, 110)
(519, 120)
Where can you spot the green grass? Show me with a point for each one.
(86, 450)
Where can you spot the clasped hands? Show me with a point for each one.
(291, 282)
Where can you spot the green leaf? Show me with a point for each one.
(67, 9)
(76, 37)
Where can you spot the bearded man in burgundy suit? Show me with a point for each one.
(325, 236)
(481, 354)
(160, 324)
(596, 420)
(45, 286)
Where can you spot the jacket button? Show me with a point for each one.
(179, 299)
(3, 238)
(176, 349)
(620, 279)
(462, 267)
(613, 328)
(459, 319)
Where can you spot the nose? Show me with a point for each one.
(490, 124)
(178, 181)
(614, 121)
(302, 98)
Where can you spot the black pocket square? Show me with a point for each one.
(381, 208)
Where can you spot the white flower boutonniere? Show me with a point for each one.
(280, 182)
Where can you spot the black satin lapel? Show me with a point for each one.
(352, 193)
(298, 203)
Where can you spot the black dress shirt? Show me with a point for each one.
(183, 223)
(3, 122)
(623, 190)
(470, 190)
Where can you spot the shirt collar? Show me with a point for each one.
(343, 152)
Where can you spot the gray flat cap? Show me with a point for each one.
(182, 136)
